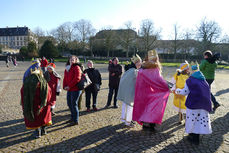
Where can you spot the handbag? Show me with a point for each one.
(84, 82)
(97, 86)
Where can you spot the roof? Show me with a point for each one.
(17, 31)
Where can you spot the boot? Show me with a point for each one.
(180, 118)
(37, 133)
(196, 139)
(152, 126)
(43, 130)
(52, 112)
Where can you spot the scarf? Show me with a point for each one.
(30, 86)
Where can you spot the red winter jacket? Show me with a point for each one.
(72, 77)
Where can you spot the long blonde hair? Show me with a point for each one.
(155, 63)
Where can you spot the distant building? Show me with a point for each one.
(116, 38)
(16, 37)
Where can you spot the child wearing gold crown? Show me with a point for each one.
(151, 93)
(127, 89)
(198, 105)
(53, 79)
(178, 80)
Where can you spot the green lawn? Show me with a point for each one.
(124, 62)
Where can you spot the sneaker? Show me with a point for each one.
(115, 106)
(131, 125)
(95, 109)
(107, 106)
(73, 124)
(88, 110)
(69, 121)
(53, 114)
(43, 130)
(216, 106)
(37, 133)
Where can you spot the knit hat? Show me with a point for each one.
(51, 66)
(208, 52)
(136, 59)
(184, 66)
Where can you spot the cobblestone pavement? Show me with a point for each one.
(102, 131)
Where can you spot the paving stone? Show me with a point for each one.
(102, 131)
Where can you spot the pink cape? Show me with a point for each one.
(151, 96)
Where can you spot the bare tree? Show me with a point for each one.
(128, 37)
(176, 40)
(109, 42)
(84, 30)
(208, 33)
(39, 32)
(64, 33)
(148, 34)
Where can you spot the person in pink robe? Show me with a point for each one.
(151, 93)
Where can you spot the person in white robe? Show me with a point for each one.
(126, 90)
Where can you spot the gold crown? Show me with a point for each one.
(36, 71)
(136, 59)
(152, 55)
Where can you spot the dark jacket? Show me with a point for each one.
(94, 76)
(200, 95)
(114, 80)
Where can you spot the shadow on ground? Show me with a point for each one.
(213, 140)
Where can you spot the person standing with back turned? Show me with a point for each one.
(208, 67)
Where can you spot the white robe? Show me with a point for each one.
(197, 120)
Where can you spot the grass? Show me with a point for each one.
(124, 62)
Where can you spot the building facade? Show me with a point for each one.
(16, 37)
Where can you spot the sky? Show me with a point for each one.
(49, 14)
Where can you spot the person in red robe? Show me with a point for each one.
(35, 100)
(53, 79)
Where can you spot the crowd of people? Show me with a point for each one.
(142, 90)
(9, 59)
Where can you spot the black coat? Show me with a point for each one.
(114, 80)
(94, 76)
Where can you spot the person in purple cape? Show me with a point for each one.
(198, 105)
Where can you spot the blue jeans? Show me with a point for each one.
(72, 101)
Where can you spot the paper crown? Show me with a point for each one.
(194, 66)
(35, 71)
(52, 65)
(152, 55)
(35, 61)
(184, 66)
(136, 59)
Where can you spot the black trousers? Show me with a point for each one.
(88, 94)
(209, 81)
(110, 95)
